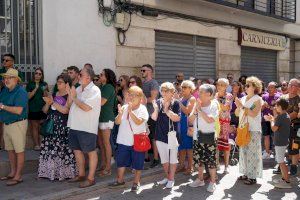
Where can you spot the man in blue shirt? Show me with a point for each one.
(13, 114)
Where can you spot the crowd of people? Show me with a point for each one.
(189, 123)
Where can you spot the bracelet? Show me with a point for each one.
(2, 107)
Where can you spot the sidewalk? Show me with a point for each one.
(38, 189)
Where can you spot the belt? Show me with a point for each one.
(15, 121)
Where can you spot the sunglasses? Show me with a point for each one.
(5, 60)
(229, 77)
(96, 79)
(247, 85)
(37, 73)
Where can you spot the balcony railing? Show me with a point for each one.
(280, 9)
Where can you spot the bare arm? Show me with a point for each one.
(61, 109)
(82, 105)
(173, 116)
(135, 119)
(206, 118)
(255, 111)
(32, 93)
(103, 101)
(188, 109)
(13, 109)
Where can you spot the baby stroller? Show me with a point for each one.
(234, 148)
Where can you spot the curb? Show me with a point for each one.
(98, 185)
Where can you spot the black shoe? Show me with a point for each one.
(277, 171)
(147, 160)
(293, 170)
(154, 164)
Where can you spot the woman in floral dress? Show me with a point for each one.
(57, 161)
(225, 100)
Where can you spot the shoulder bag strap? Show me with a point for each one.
(129, 123)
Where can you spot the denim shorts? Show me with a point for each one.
(83, 141)
(127, 157)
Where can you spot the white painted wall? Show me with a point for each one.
(74, 34)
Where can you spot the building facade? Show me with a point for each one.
(202, 38)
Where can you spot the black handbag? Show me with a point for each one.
(47, 127)
(205, 138)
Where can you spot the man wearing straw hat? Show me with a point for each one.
(13, 114)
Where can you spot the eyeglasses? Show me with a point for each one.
(5, 60)
(8, 77)
(247, 85)
(37, 73)
(132, 82)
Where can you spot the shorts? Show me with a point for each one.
(127, 157)
(83, 141)
(293, 135)
(151, 125)
(166, 155)
(106, 125)
(204, 154)
(14, 136)
(266, 128)
(37, 115)
(280, 153)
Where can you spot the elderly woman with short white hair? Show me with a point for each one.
(166, 115)
(186, 146)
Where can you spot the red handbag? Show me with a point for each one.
(141, 141)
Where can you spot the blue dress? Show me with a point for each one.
(186, 141)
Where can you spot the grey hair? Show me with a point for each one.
(208, 88)
(90, 72)
(223, 80)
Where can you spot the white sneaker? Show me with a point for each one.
(266, 156)
(226, 171)
(197, 183)
(211, 187)
(283, 185)
(170, 184)
(163, 182)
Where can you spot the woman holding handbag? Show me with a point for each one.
(57, 160)
(204, 116)
(249, 111)
(166, 115)
(186, 146)
(132, 119)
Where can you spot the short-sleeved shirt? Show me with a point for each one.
(107, 110)
(162, 123)
(293, 106)
(36, 103)
(149, 86)
(18, 97)
(271, 100)
(125, 134)
(81, 120)
(281, 136)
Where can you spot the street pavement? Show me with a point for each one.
(227, 188)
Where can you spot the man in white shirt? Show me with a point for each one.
(83, 122)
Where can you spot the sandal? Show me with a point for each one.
(5, 178)
(105, 172)
(77, 179)
(250, 181)
(242, 178)
(14, 182)
(116, 184)
(87, 183)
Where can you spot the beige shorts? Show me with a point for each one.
(14, 136)
(106, 125)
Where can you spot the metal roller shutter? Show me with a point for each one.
(192, 55)
(259, 62)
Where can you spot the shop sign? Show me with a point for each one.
(257, 39)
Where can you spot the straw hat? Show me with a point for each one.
(12, 72)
